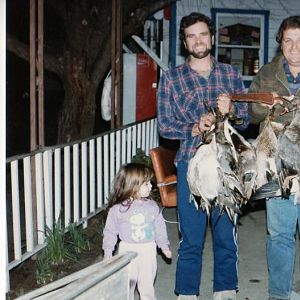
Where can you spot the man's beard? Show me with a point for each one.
(200, 54)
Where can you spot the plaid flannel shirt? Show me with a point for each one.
(180, 102)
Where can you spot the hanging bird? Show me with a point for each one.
(277, 149)
(289, 144)
(278, 159)
(247, 167)
(288, 157)
(214, 174)
(266, 145)
(198, 173)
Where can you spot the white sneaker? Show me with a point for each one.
(225, 295)
(187, 297)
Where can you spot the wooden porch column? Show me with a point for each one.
(116, 65)
(32, 75)
(36, 53)
(36, 60)
(40, 75)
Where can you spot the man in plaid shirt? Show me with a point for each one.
(184, 94)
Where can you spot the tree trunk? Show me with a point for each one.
(77, 116)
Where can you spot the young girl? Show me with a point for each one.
(138, 222)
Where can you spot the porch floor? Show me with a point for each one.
(253, 280)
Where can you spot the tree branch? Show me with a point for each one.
(139, 16)
(21, 50)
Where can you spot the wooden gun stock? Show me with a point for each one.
(266, 98)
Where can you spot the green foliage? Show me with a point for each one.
(43, 273)
(57, 249)
(62, 245)
(142, 158)
(77, 240)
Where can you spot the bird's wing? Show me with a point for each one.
(268, 190)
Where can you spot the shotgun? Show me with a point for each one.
(289, 103)
(266, 98)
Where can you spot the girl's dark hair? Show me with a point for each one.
(127, 183)
(193, 18)
(288, 23)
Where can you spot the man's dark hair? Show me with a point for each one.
(288, 23)
(193, 18)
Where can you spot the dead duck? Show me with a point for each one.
(266, 145)
(215, 175)
(288, 158)
(289, 144)
(278, 159)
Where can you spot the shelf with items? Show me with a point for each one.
(241, 39)
(246, 59)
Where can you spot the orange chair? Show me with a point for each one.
(165, 173)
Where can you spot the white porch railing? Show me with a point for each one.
(71, 182)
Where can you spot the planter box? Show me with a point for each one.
(102, 281)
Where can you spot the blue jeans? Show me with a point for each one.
(192, 226)
(282, 220)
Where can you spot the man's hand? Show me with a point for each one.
(204, 124)
(224, 104)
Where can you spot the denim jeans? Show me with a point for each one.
(282, 218)
(192, 226)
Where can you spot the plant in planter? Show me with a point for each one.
(76, 239)
(63, 246)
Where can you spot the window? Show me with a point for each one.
(241, 39)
